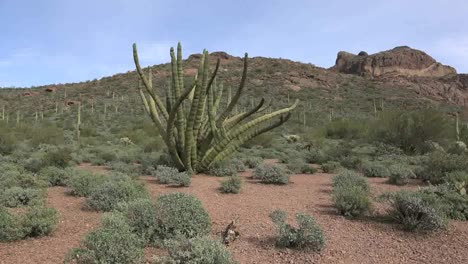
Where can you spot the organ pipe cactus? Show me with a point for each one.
(194, 126)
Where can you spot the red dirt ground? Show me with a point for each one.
(347, 241)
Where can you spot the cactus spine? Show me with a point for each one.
(195, 128)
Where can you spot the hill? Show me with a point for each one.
(401, 78)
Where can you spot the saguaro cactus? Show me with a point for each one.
(195, 128)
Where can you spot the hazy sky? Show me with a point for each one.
(58, 41)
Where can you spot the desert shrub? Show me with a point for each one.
(82, 182)
(105, 154)
(196, 250)
(18, 196)
(238, 164)
(129, 169)
(148, 162)
(308, 234)
(349, 178)
(272, 174)
(54, 176)
(351, 201)
(59, 157)
(13, 175)
(416, 212)
(439, 164)
(114, 242)
(410, 130)
(400, 174)
(232, 184)
(458, 181)
(181, 214)
(299, 166)
(222, 169)
(166, 160)
(330, 166)
(107, 195)
(253, 162)
(315, 156)
(169, 175)
(374, 169)
(453, 203)
(10, 227)
(39, 221)
(140, 214)
(7, 143)
(457, 148)
(345, 129)
(351, 162)
(351, 194)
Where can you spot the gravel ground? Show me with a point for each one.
(367, 240)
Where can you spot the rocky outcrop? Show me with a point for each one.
(400, 61)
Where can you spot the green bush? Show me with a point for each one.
(458, 181)
(238, 164)
(316, 156)
(271, 174)
(39, 221)
(10, 227)
(126, 168)
(222, 169)
(82, 182)
(54, 176)
(331, 166)
(18, 196)
(411, 130)
(345, 129)
(349, 178)
(59, 157)
(169, 175)
(141, 216)
(400, 174)
(374, 169)
(299, 166)
(114, 242)
(351, 162)
(196, 250)
(253, 162)
(308, 235)
(351, 201)
(106, 196)
(416, 212)
(351, 194)
(232, 184)
(452, 202)
(439, 164)
(181, 214)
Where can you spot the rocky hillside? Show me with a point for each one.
(401, 78)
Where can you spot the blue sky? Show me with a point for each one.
(59, 41)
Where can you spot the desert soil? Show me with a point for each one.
(367, 240)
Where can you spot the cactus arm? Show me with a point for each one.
(189, 136)
(219, 95)
(170, 129)
(211, 107)
(216, 149)
(236, 97)
(245, 115)
(177, 86)
(246, 136)
(147, 85)
(143, 97)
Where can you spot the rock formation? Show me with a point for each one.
(400, 61)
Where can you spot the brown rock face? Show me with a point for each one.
(400, 61)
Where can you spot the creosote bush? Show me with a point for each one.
(18, 196)
(113, 242)
(180, 214)
(232, 184)
(107, 195)
(375, 169)
(400, 174)
(253, 162)
(351, 194)
(331, 166)
(272, 174)
(169, 175)
(54, 176)
(308, 235)
(82, 182)
(196, 250)
(222, 169)
(299, 166)
(416, 211)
